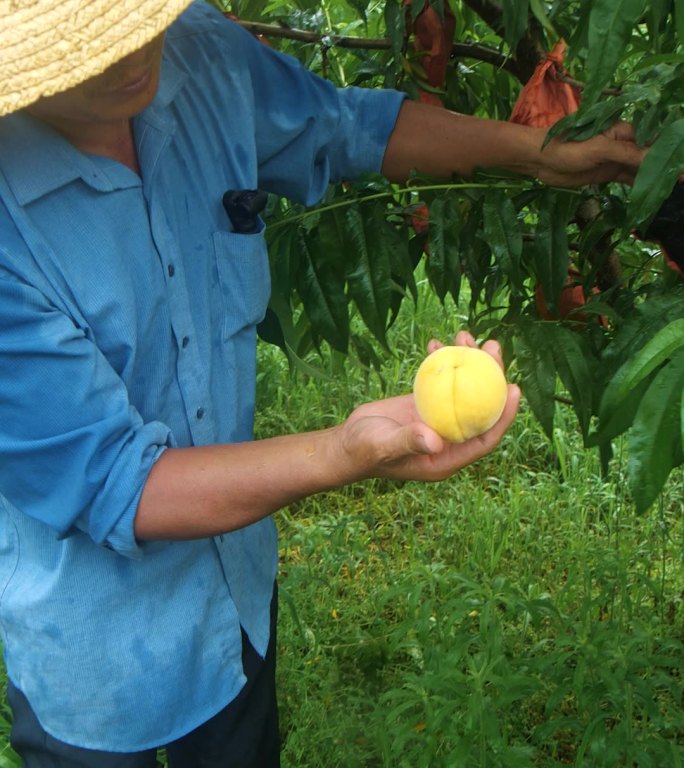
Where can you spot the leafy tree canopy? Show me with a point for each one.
(588, 311)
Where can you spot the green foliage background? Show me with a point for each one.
(519, 614)
(355, 254)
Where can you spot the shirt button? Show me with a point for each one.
(171, 270)
(185, 342)
(200, 413)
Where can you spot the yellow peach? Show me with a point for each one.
(460, 392)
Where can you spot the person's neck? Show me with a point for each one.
(113, 140)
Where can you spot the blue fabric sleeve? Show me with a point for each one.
(79, 456)
(327, 134)
(308, 132)
(334, 138)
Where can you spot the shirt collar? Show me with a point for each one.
(171, 80)
(36, 160)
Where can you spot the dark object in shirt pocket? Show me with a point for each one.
(243, 207)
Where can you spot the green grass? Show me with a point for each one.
(519, 614)
(497, 620)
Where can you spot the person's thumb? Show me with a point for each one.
(417, 438)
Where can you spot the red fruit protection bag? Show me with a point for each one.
(546, 97)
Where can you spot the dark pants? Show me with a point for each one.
(243, 735)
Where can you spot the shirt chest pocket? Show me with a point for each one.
(244, 279)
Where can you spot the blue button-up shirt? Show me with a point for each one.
(127, 325)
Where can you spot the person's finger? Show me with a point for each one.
(507, 416)
(413, 439)
(625, 154)
(480, 446)
(494, 435)
(626, 178)
(493, 348)
(464, 339)
(510, 409)
(620, 175)
(422, 439)
(622, 131)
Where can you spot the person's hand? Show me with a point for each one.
(386, 438)
(611, 156)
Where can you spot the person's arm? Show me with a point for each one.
(440, 143)
(205, 491)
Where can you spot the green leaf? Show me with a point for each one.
(296, 362)
(360, 7)
(616, 416)
(540, 14)
(656, 19)
(622, 396)
(681, 419)
(535, 362)
(658, 349)
(657, 175)
(515, 14)
(284, 257)
(473, 251)
(586, 123)
(270, 329)
(610, 28)
(366, 353)
(649, 125)
(417, 7)
(404, 258)
(655, 436)
(443, 263)
(503, 235)
(679, 20)
(369, 272)
(652, 62)
(10, 759)
(639, 327)
(574, 363)
(551, 245)
(438, 5)
(321, 289)
(396, 29)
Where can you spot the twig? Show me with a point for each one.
(458, 50)
(302, 36)
(579, 84)
(563, 400)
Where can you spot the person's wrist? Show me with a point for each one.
(536, 159)
(518, 148)
(346, 463)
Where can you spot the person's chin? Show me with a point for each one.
(132, 97)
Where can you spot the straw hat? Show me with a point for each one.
(48, 46)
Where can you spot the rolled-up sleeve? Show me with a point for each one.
(74, 454)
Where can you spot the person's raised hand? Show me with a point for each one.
(610, 156)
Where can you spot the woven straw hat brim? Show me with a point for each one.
(50, 46)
